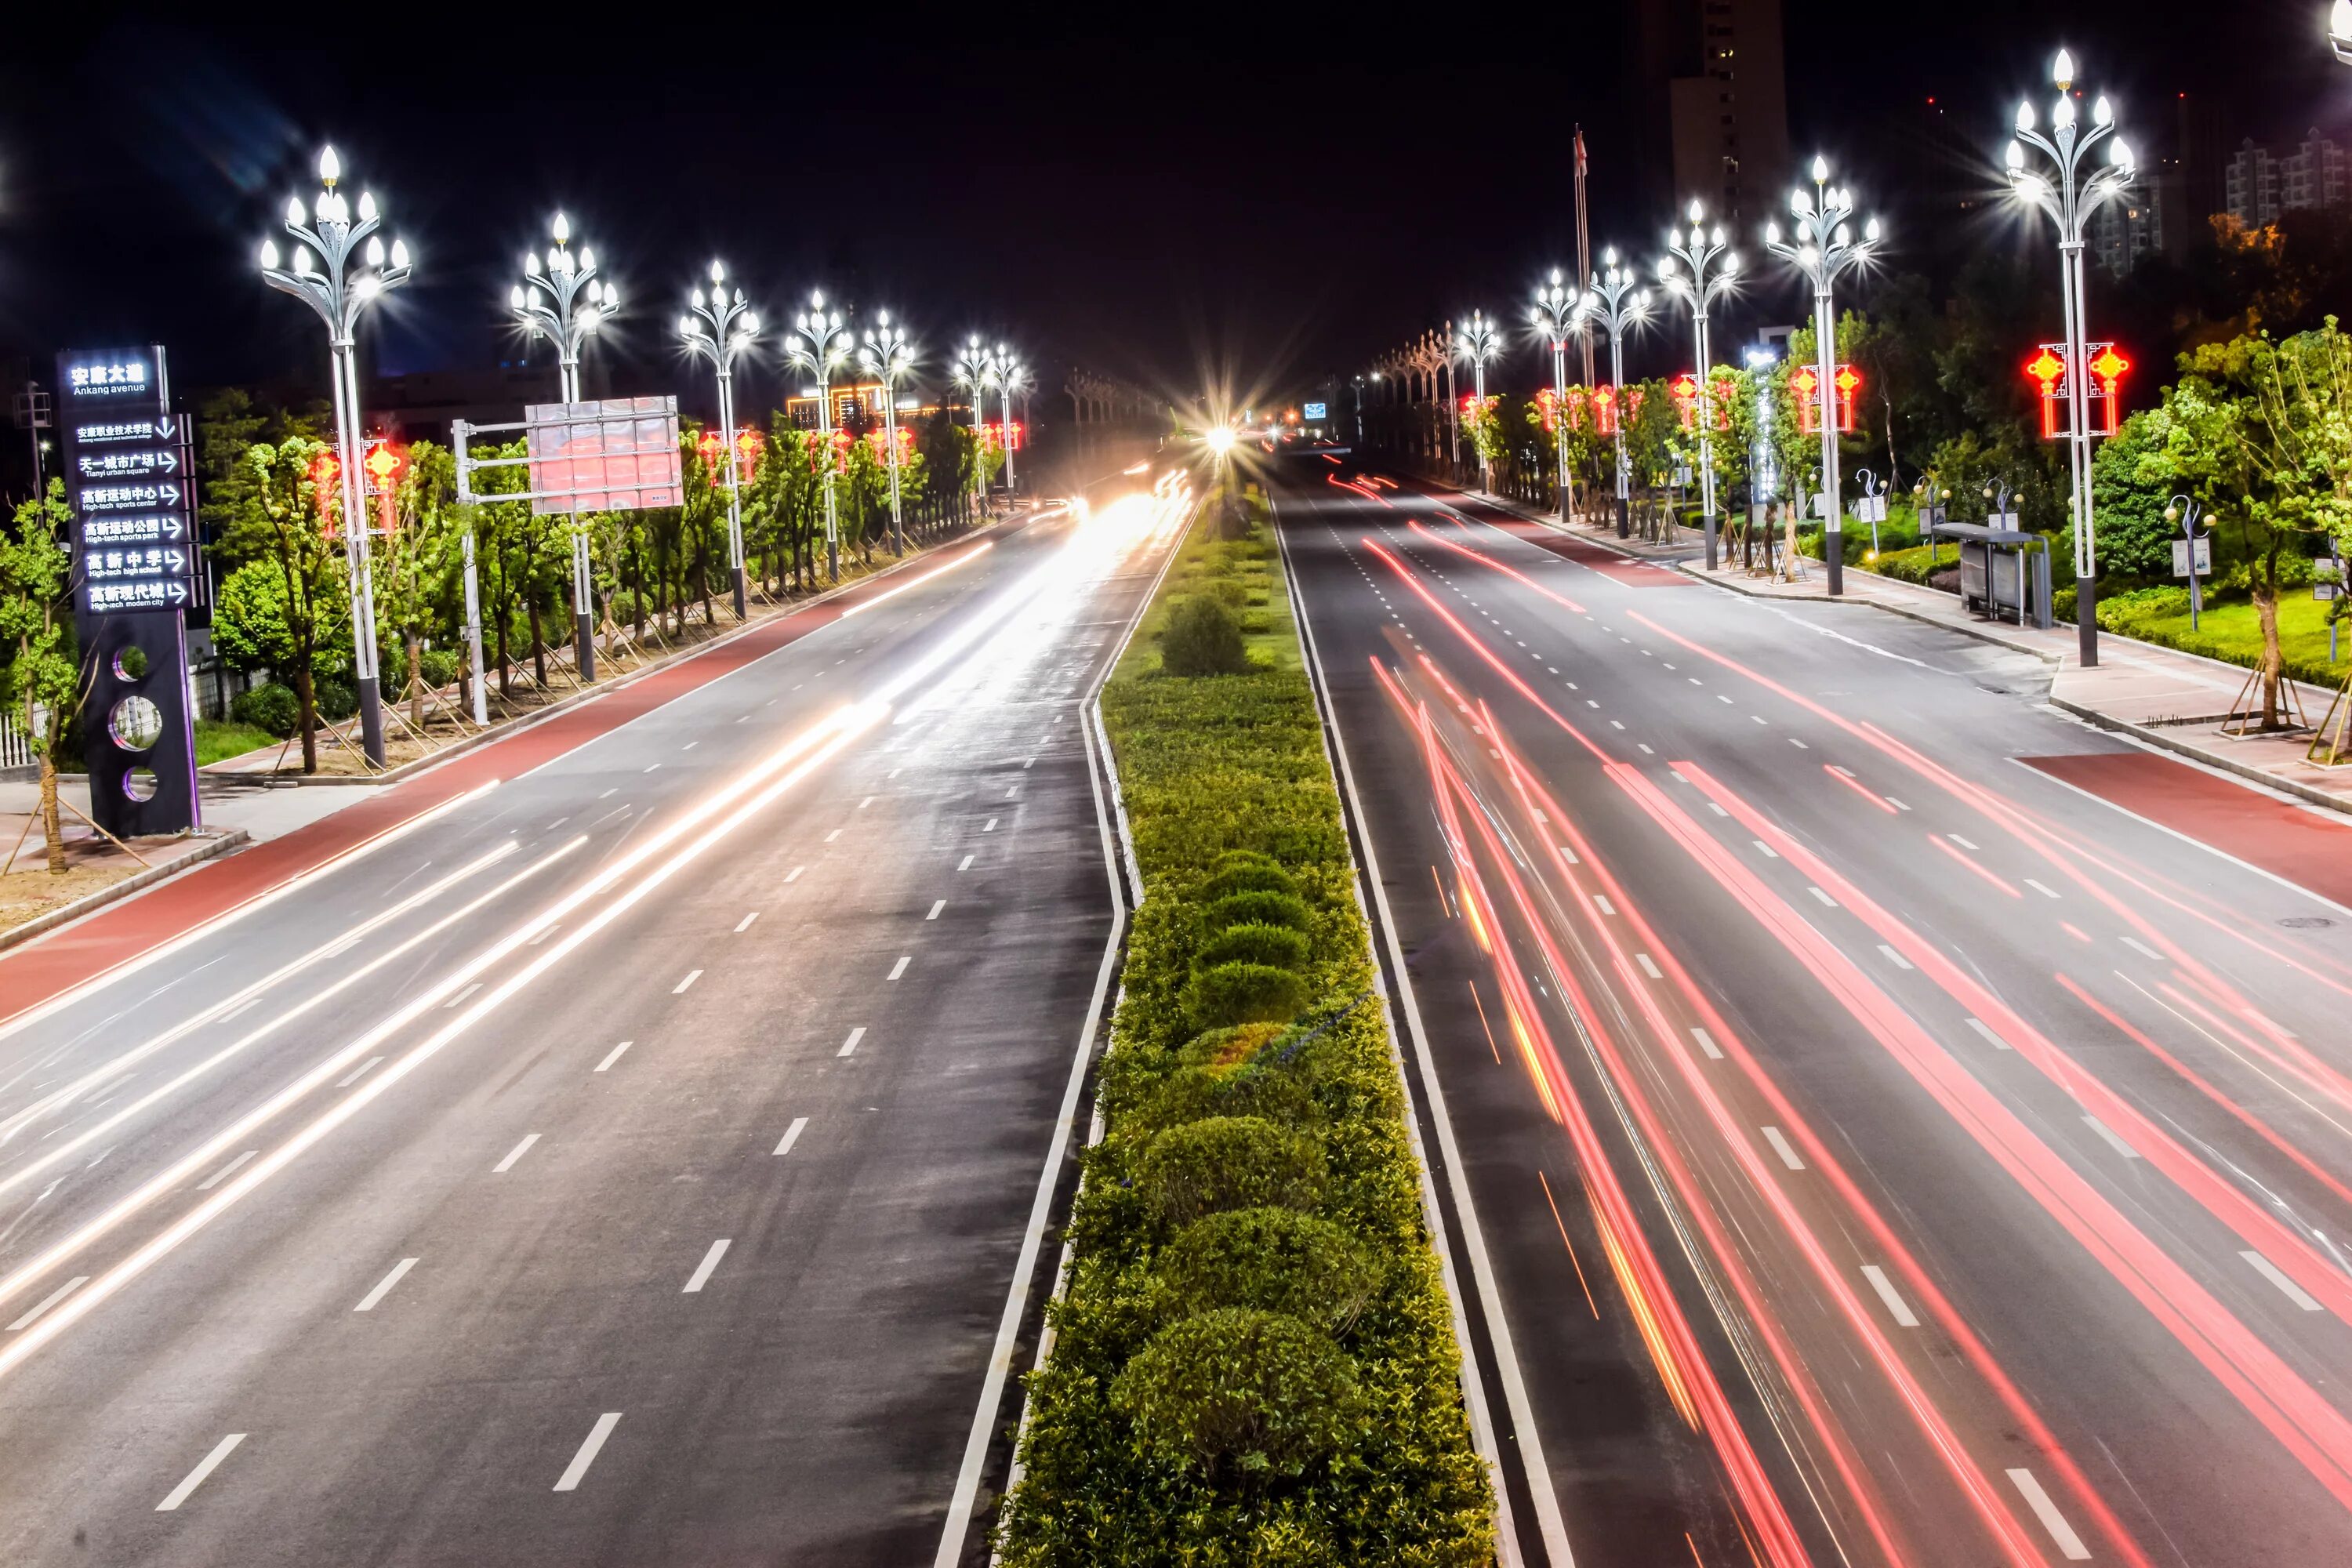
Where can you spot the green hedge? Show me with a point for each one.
(1253, 1360)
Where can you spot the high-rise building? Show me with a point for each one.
(2127, 231)
(2258, 185)
(1716, 68)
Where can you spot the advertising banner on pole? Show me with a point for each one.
(615, 454)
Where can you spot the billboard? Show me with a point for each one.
(613, 454)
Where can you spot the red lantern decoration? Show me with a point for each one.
(1604, 410)
(746, 453)
(2103, 397)
(1804, 391)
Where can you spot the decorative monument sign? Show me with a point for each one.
(137, 572)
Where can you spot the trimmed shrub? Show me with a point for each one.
(336, 699)
(273, 707)
(1257, 909)
(1280, 1094)
(1276, 1259)
(1230, 1162)
(1274, 947)
(1243, 872)
(1221, 1049)
(1244, 994)
(439, 666)
(1203, 638)
(1240, 1391)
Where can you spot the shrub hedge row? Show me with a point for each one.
(1253, 1360)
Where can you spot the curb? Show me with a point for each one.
(520, 722)
(2148, 735)
(138, 881)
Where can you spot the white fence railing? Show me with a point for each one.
(15, 750)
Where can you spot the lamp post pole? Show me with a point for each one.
(889, 357)
(1821, 247)
(323, 277)
(1005, 370)
(565, 302)
(820, 342)
(1617, 304)
(1480, 342)
(1558, 310)
(970, 371)
(2058, 184)
(720, 327)
(1699, 269)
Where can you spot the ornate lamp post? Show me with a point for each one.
(718, 327)
(2059, 185)
(2339, 30)
(972, 371)
(1616, 304)
(1823, 247)
(889, 358)
(1558, 310)
(565, 303)
(820, 342)
(1006, 374)
(326, 276)
(1699, 268)
(1481, 344)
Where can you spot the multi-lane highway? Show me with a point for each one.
(629, 1160)
(1884, 1149)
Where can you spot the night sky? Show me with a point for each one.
(1219, 198)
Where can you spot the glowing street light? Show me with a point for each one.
(1481, 344)
(340, 265)
(1007, 374)
(971, 371)
(1823, 247)
(820, 342)
(565, 302)
(1615, 301)
(1558, 310)
(2058, 183)
(889, 358)
(2339, 30)
(1699, 268)
(718, 326)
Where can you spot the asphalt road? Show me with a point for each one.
(628, 1165)
(1884, 1151)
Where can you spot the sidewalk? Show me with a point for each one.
(2168, 698)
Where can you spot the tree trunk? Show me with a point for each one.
(538, 645)
(50, 828)
(638, 575)
(416, 684)
(505, 683)
(306, 713)
(2265, 594)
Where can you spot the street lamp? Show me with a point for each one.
(1007, 374)
(820, 342)
(1558, 310)
(565, 302)
(720, 327)
(889, 358)
(2070, 195)
(972, 371)
(2184, 510)
(1699, 268)
(2339, 30)
(324, 278)
(1616, 304)
(1823, 247)
(1479, 344)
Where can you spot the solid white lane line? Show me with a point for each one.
(1707, 1043)
(691, 976)
(901, 967)
(831, 836)
(1892, 957)
(1981, 1027)
(965, 864)
(247, 1006)
(989, 826)
(1788, 1156)
(702, 1271)
(745, 923)
(1824, 897)
(225, 1172)
(936, 908)
(357, 1073)
(794, 874)
(578, 1467)
(792, 1136)
(383, 1286)
(205, 1467)
(1648, 968)
(517, 1152)
(2142, 947)
(2115, 1140)
(850, 1044)
(1895, 1305)
(470, 988)
(2045, 892)
(49, 1301)
(2268, 1270)
(2070, 1545)
(613, 1055)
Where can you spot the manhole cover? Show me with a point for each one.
(2306, 922)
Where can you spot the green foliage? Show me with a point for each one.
(271, 707)
(1278, 947)
(1187, 1413)
(1238, 1390)
(1203, 638)
(1236, 992)
(218, 739)
(40, 663)
(2131, 484)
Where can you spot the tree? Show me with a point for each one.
(40, 669)
(416, 561)
(288, 606)
(2131, 484)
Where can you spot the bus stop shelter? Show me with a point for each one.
(2004, 572)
